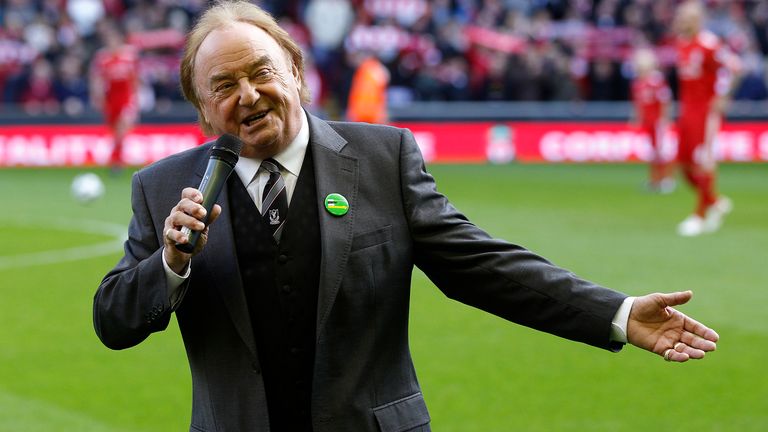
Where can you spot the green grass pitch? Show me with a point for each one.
(478, 372)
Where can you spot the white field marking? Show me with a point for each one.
(27, 414)
(117, 232)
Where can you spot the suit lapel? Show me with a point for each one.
(219, 257)
(334, 173)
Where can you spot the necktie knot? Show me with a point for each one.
(271, 165)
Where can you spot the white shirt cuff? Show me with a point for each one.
(174, 282)
(620, 320)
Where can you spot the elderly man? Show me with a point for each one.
(306, 329)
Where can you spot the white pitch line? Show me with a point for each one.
(77, 253)
(27, 413)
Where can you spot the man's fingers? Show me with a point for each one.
(690, 346)
(675, 356)
(189, 214)
(695, 341)
(182, 219)
(192, 194)
(677, 298)
(699, 329)
(172, 235)
(215, 212)
(692, 352)
(192, 208)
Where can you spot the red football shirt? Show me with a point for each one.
(649, 95)
(701, 72)
(119, 71)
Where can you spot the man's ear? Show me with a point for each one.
(205, 125)
(296, 75)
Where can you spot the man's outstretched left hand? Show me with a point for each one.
(656, 326)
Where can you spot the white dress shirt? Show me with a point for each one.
(255, 178)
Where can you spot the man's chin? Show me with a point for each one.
(259, 149)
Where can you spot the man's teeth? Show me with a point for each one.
(254, 118)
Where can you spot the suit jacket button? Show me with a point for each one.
(282, 259)
(256, 368)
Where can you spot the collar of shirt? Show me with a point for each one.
(290, 159)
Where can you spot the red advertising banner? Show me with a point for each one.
(566, 142)
(84, 145)
(475, 142)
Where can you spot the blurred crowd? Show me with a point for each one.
(435, 50)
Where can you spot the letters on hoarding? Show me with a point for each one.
(472, 142)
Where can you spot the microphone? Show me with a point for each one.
(224, 155)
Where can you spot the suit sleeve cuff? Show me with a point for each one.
(620, 320)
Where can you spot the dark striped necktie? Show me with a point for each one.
(274, 203)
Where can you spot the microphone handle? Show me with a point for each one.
(214, 179)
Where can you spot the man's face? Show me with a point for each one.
(688, 20)
(247, 87)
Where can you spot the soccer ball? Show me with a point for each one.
(87, 187)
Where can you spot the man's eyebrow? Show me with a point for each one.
(264, 60)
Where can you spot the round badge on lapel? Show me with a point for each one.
(336, 204)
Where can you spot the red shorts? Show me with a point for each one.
(691, 132)
(115, 112)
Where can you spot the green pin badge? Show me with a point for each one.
(336, 204)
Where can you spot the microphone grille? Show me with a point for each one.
(227, 148)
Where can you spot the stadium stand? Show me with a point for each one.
(435, 50)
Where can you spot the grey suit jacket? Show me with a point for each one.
(364, 378)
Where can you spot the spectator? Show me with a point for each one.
(562, 50)
(38, 94)
(368, 95)
(70, 85)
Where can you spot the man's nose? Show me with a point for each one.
(248, 92)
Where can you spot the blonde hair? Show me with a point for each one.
(226, 12)
(689, 17)
(644, 61)
(693, 6)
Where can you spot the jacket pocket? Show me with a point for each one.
(403, 414)
(372, 238)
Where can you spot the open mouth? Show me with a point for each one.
(251, 119)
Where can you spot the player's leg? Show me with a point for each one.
(689, 135)
(654, 173)
(702, 181)
(124, 120)
(715, 207)
(698, 163)
(112, 118)
(660, 175)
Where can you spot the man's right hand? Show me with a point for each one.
(187, 213)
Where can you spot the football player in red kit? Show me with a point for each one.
(705, 70)
(651, 96)
(114, 78)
